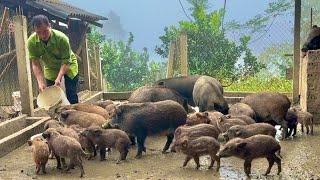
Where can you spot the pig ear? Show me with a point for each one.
(242, 144)
(29, 142)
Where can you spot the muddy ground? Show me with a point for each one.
(301, 160)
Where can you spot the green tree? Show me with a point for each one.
(209, 51)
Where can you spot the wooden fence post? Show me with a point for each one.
(86, 65)
(183, 54)
(170, 60)
(100, 83)
(24, 70)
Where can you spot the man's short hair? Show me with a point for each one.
(38, 20)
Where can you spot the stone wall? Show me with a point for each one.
(310, 84)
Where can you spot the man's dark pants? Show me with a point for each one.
(71, 88)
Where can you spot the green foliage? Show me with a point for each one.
(258, 84)
(209, 51)
(124, 68)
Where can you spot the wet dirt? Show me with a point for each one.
(301, 160)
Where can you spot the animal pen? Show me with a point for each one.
(18, 85)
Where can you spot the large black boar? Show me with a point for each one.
(208, 95)
(144, 119)
(155, 94)
(183, 85)
(269, 106)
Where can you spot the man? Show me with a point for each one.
(52, 47)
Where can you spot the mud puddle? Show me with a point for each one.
(300, 161)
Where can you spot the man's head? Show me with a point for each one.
(42, 27)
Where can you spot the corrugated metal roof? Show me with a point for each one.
(64, 10)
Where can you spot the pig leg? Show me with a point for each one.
(278, 161)
(169, 141)
(140, 140)
(307, 127)
(63, 161)
(102, 153)
(196, 159)
(37, 168)
(295, 130)
(247, 167)
(188, 158)
(302, 128)
(271, 162)
(58, 162)
(43, 167)
(132, 140)
(311, 127)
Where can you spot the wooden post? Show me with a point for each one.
(296, 54)
(170, 60)
(183, 54)
(24, 70)
(86, 65)
(100, 83)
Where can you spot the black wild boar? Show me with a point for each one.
(270, 106)
(183, 85)
(155, 94)
(208, 95)
(144, 119)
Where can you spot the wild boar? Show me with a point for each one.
(245, 131)
(305, 119)
(242, 109)
(90, 108)
(195, 148)
(53, 124)
(155, 94)
(40, 152)
(108, 138)
(65, 147)
(183, 85)
(198, 118)
(270, 106)
(208, 95)
(84, 119)
(145, 119)
(257, 146)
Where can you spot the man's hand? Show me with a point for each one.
(57, 82)
(42, 86)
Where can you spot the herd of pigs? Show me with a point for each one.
(244, 130)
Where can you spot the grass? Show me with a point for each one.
(255, 84)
